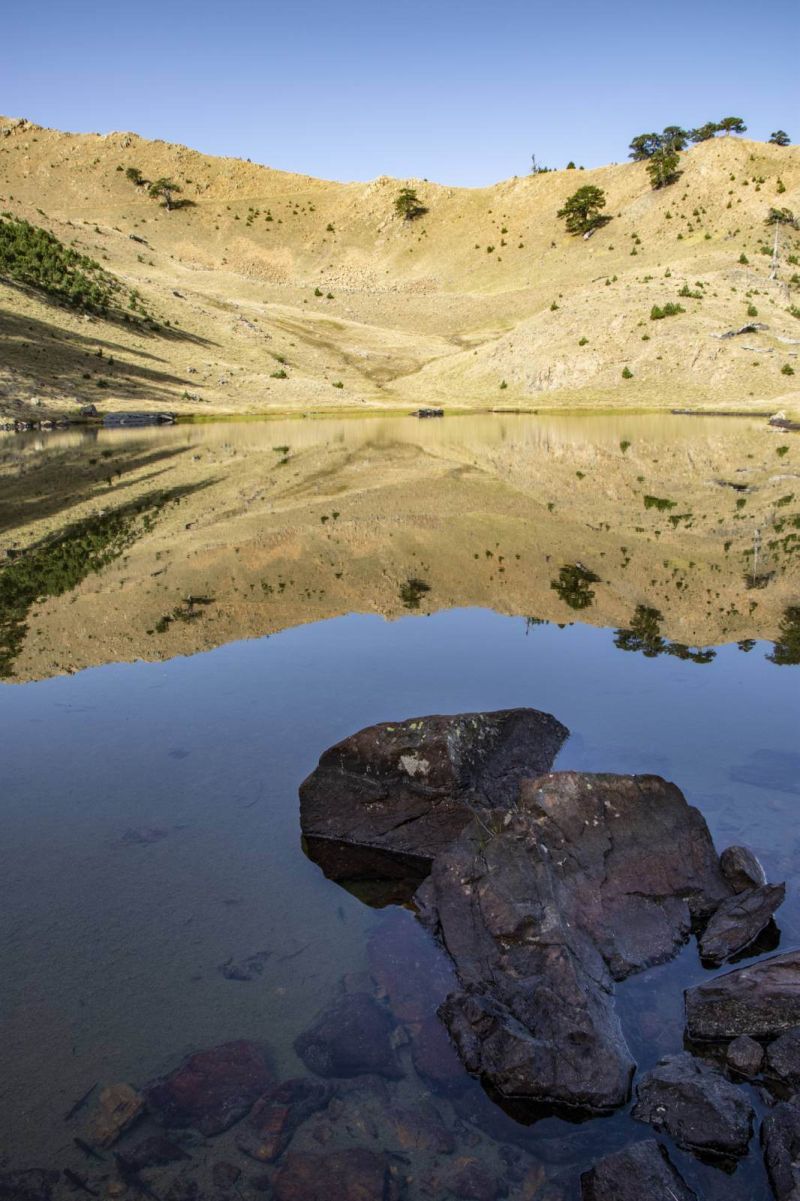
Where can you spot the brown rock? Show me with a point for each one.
(119, 1106)
(276, 1116)
(211, 1089)
(387, 800)
(356, 1174)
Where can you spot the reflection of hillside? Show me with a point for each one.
(656, 527)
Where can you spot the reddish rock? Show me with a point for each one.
(356, 1174)
(275, 1117)
(211, 1089)
(350, 1038)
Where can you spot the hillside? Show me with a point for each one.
(279, 288)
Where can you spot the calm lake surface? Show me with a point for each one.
(150, 812)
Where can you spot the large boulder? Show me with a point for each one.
(696, 1105)
(739, 921)
(211, 1089)
(780, 1139)
(591, 878)
(761, 999)
(386, 801)
(641, 1171)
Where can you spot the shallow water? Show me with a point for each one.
(150, 813)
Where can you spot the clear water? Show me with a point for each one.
(150, 832)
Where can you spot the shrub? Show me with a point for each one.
(787, 369)
(667, 310)
(627, 373)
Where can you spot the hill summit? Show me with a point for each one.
(238, 288)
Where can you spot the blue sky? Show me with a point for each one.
(451, 90)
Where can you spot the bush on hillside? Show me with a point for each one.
(33, 256)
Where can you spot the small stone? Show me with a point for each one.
(119, 1105)
(741, 869)
(745, 1056)
(275, 1117)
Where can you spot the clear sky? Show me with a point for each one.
(453, 90)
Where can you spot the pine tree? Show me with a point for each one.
(582, 210)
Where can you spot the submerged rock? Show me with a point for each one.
(118, 1107)
(472, 1180)
(276, 1116)
(741, 869)
(783, 1058)
(761, 999)
(386, 801)
(780, 1139)
(641, 1171)
(356, 1174)
(592, 878)
(352, 1037)
(696, 1105)
(739, 921)
(152, 1152)
(211, 1089)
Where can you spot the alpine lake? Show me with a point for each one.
(191, 615)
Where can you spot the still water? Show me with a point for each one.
(150, 812)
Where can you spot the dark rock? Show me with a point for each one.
(696, 1105)
(182, 1188)
(471, 1180)
(276, 1116)
(356, 1174)
(34, 1184)
(384, 802)
(153, 1152)
(245, 969)
(224, 1174)
(211, 1089)
(352, 1036)
(739, 921)
(741, 869)
(761, 999)
(641, 1171)
(745, 1056)
(780, 1139)
(593, 877)
(783, 1058)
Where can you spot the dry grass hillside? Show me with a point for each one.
(293, 294)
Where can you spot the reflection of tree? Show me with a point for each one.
(573, 583)
(786, 650)
(644, 635)
(412, 592)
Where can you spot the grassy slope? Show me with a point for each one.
(420, 312)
